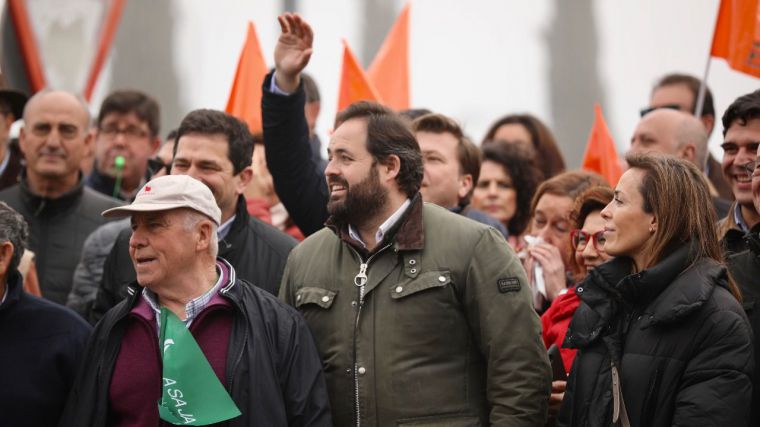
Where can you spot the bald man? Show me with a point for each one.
(60, 211)
(678, 134)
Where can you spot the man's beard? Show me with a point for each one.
(362, 201)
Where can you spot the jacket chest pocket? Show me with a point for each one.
(314, 297)
(423, 282)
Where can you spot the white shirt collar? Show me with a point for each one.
(223, 229)
(384, 227)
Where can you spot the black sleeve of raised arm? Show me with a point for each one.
(297, 179)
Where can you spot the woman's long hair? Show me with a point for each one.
(676, 193)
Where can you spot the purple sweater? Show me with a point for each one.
(136, 382)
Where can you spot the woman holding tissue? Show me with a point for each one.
(662, 339)
(548, 256)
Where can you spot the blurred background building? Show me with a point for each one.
(474, 61)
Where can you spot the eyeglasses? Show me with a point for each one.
(155, 165)
(579, 239)
(129, 132)
(645, 111)
(750, 167)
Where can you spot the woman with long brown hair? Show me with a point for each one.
(661, 336)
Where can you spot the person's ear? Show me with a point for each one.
(708, 122)
(244, 178)
(390, 168)
(204, 230)
(688, 152)
(465, 185)
(6, 254)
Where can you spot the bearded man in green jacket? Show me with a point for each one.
(421, 316)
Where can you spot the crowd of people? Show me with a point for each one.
(413, 278)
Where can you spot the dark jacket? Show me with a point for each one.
(57, 231)
(679, 337)
(41, 345)
(257, 250)
(273, 370)
(441, 333)
(745, 268)
(298, 180)
(731, 234)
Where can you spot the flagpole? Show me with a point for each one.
(702, 90)
(703, 86)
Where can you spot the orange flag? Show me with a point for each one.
(737, 35)
(389, 71)
(245, 96)
(354, 84)
(601, 156)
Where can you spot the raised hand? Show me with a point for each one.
(293, 50)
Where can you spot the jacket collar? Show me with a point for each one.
(235, 233)
(41, 206)
(665, 293)
(407, 234)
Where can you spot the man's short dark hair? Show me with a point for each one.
(388, 134)
(131, 101)
(693, 83)
(13, 229)
(468, 154)
(214, 122)
(743, 109)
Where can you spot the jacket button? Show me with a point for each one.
(399, 289)
(298, 297)
(579, 290)
(441, 279)
(353, 303)
(325, 298)
(348, 371)
(412, 262)
(414, 270)
(362, 371)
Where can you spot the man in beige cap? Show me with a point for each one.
(275, 375)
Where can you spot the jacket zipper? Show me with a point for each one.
(360, 280)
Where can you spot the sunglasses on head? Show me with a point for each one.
(155, 165)
(645, 111)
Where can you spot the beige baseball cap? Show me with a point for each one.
(171, 192)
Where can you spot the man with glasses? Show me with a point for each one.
(126, 137)
(60, 210)
(680, 92)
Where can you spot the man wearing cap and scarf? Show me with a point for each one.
(11, 108)
(257, 363)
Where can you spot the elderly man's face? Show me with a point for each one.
(55, 138)
(161, 247)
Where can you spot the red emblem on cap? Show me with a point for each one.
(147, 188)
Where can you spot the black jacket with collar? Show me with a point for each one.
(57, 230)
(679, 337)
(745, 268)
(257, 250)
(274, 372)
(41, 345)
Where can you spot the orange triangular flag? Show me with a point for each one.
(389, 71)
(354, 84)
(245, 96)
(737, 35)
(601, 156)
